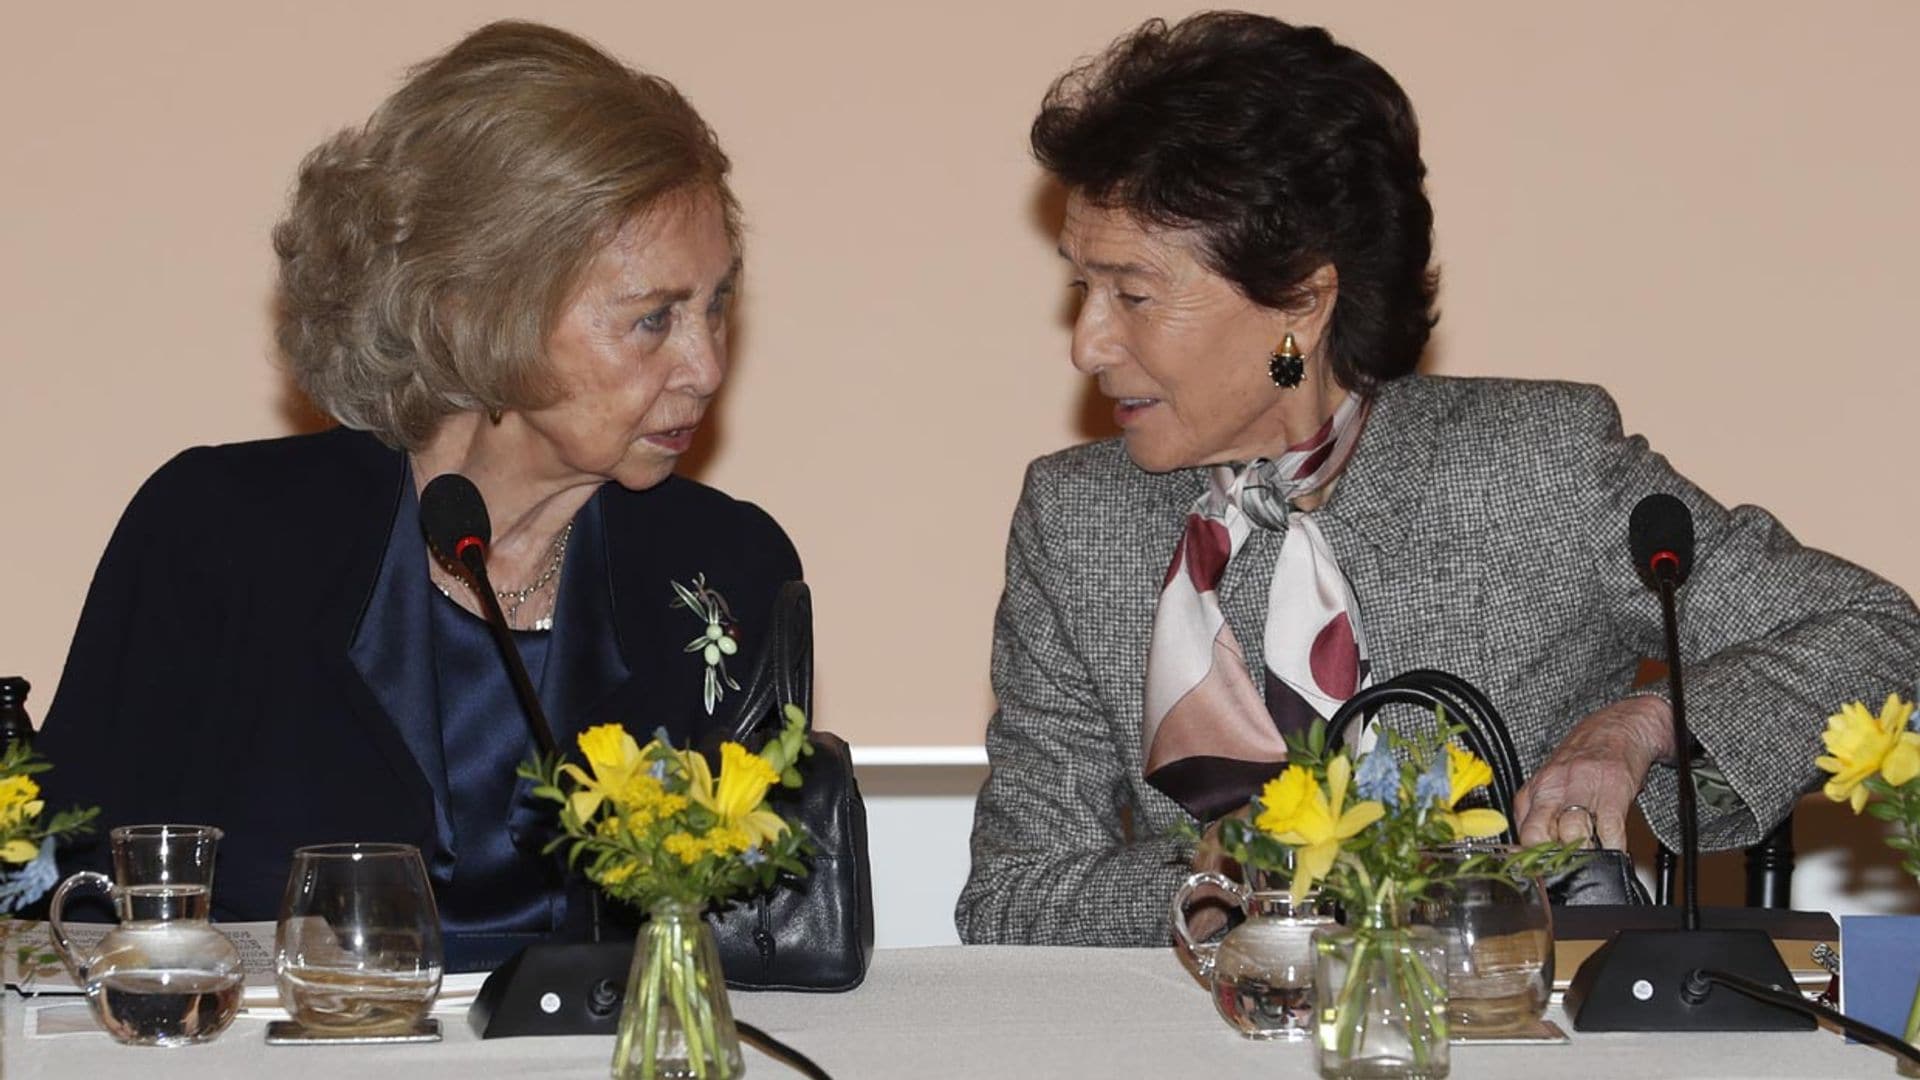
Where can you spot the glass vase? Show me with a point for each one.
(676, 1022)
(1381, 1000)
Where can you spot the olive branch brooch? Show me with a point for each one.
(715, 643)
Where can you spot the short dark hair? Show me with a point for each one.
(1282, 149)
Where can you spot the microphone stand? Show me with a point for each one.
(1666, 574)
(1651, 980)
(544, 989)
(473, 556)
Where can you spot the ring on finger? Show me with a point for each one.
(1593, 822)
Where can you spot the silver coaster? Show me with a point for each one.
(293, 1033)
(1543, 1031)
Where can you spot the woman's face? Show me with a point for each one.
(1180, 350)
(641, 348)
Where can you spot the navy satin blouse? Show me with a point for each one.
(436, 670)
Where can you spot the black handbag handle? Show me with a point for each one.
(783, 673)
(1486, 733)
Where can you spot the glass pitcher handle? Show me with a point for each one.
(1202, 951)
(57, 928)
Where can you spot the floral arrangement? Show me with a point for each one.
(657, 827)
(1374, 836)
(654, 823)
(1378, 852)
(27, 836)
(1872, 761)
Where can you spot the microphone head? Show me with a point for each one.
(454, 516)
(1660, 533)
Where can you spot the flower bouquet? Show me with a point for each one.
(1873, 761)
(27, 842)
(1373, 837)
(656, 827)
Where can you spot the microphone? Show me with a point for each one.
(454, 516)
(521, 996)
(1660, 535)
(1658, 980)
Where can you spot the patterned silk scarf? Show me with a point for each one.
(1211, 738)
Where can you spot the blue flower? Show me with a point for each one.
(658, 770)
(753, 856)
(1434, 786)
(30, 882)
(1378, 778)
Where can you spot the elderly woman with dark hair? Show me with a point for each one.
(518, 269)
(1292, 512)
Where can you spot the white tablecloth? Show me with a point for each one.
(955, 1012)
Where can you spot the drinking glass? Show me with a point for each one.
(357, 950)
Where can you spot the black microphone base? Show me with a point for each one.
(1637, 982)
(554, 990)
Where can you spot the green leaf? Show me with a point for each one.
(1885, 811)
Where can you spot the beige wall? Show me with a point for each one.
(1706, 206)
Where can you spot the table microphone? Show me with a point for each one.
(454, 517)
(1651, 980)
(1660, 535)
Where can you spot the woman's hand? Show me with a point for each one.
(1599, 766)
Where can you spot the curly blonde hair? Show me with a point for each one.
(427, 255)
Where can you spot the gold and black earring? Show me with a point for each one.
(1286, 367)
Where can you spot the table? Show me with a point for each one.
(956, 1012)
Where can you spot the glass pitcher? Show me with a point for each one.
(1261, 972)
(164, 976)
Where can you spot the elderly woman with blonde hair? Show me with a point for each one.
(519, 269)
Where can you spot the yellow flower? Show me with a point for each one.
(615, 759)
(614, 875)
(1467, 774)
(726, 840)
(17, 791)
(1283, 799)
(686, 845)
(738, 798)
(1860, 744)
(1298, 813)
(20, 806)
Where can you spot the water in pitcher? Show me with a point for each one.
(165, 1007)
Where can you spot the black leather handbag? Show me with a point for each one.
(1606, 877)
(816, 932)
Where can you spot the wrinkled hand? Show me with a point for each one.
(1600, 765)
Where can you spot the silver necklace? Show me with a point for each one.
(511, 600)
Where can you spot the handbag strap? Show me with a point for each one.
(1485, 732)
(782, 674)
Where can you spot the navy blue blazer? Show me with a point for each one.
(209, 680)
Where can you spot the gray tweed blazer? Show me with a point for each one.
(1483, 524)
